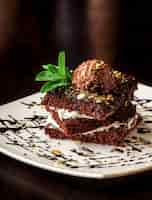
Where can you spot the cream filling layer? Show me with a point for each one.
(64, 114)
(131, 122)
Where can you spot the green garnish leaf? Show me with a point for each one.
(55, 76)
(50, 67)
(49, 86)
(61, 63)
(47, 76)
(68, 74)
(45, 67)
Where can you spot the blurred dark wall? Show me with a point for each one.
(32, 32)
(136, 38)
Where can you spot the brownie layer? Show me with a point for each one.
(114, 136)
(109, 116)
(79, 125)
(97, 106)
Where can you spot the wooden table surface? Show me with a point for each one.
(20, 181)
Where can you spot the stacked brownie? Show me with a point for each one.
(96, 107)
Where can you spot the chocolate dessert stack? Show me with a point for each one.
(96, 107)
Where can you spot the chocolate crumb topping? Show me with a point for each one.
(95, 76)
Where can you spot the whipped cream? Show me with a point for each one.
(65, 114)
(131, 122)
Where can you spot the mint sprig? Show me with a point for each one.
(61, 63)
(55, 76)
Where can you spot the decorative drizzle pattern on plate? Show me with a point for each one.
(27, 133)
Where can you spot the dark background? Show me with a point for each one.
(32, 33)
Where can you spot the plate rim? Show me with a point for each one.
(100, 176)
(73, 173)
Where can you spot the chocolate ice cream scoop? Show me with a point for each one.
(95, 76)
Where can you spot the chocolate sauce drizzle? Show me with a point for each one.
(31, 104)
(28, 134)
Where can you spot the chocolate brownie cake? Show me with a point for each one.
(71, 123)
(96, 106)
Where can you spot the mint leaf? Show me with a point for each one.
(46, 87)
(50, 67)
(68, 74)
(55, 76)
(49, 86)
(45, 67)
(47, 76)
(61, 63)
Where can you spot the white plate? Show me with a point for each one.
(32, 146)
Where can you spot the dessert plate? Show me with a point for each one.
(22, 137)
